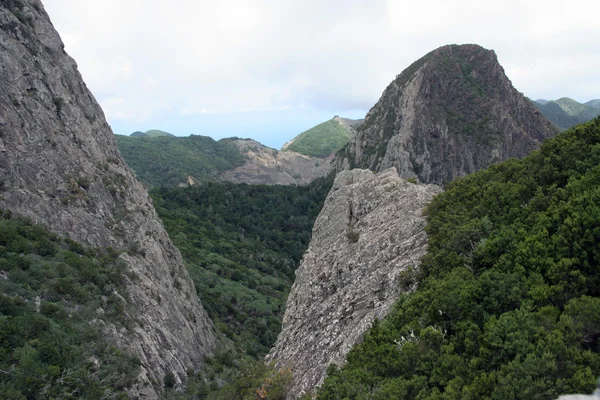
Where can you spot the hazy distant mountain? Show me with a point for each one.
(566, 112)
(542, 101)
(593, 103)
(324, 139)
(151, 133)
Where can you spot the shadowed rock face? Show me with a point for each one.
(370, 230)
(59, 165)
(449, 114)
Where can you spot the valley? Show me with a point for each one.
(443, 247)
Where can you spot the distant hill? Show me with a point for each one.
(151, 133)
(593, 103)
(566, 112)
(165, 161)
(168, 161)
(324, 139)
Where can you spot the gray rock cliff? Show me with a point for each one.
(370, 230)
(59, 165)
(449, 114)
(267, 166)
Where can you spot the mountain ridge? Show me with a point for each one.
(448, 114)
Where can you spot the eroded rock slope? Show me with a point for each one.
(451, 113)
(370, 230)
(266, 166)
(59, 165)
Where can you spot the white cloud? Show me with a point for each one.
(224, 56)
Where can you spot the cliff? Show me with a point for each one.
(60, 166)
(369, 234)
(266, 166)
(451, 113)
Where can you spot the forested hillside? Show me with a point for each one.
(56, 296)
(508, 302)
(241, 244)
(566, 112)
(168, 161)
(322, 140)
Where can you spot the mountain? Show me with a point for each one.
(507, 302)
(542, 101)
(323, 139)
(61, 169)
(151, 133)
(369, 233)
(449, 114)
(593, 103)
(566, 112)
(266, 166)
(171, 161)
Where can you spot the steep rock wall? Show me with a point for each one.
(370, 230)
(451, 113)
(59, 165)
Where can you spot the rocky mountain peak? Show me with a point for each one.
(448, 114)
(60, 166)
(369, 233)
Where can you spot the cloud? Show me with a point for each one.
(226, 56)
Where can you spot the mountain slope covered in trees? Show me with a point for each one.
(323, 139)
(508, 302)
(55, 297)
(241, 244)
(566, 112)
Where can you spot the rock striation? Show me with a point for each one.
(370, 231)
(59, 165)
(267, 166)
(451, 113)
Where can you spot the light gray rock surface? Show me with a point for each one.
(59, 165)
(370, 230)
(451, 113)
(267, 166)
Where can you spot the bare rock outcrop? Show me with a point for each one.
(59, 165)
(451, 113)
(266, 166)
(370, 230)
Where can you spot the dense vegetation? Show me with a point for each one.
(321, 140)
(168, 161)
(508, 300)
(565, 112)
(51, 289)
(242, 244)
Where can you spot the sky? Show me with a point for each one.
(270, 69)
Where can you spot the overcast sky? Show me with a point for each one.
(269, 69)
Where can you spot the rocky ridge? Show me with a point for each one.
(449, 114)
(366, 241)
(266, 166)
(60, 166)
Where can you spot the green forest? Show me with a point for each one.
(241, 244)
(168, 160)
(51, 291)
(507, 305)
(321, 140)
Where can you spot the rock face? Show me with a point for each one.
(266, 166)
(370, 230)
(449, 114)
(60, 166)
